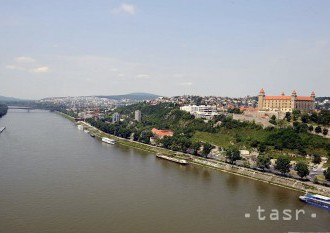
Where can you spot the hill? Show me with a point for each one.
(6, 99)
(131, 96)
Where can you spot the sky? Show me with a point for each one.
(173, 47)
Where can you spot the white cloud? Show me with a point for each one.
(13, 67)
(28, 64)
(125, 8)
(25, 60)
(40, 69)
(143, 76)
(185, 84)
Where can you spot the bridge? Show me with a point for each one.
(19, 107)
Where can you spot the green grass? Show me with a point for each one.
(226, 136)
(221, 140)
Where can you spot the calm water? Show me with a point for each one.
(55, 178)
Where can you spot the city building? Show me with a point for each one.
(158, 133)
(285, 103)
(202, 111)
(115, 117)
(137, 115)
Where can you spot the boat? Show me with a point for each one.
(80, 127)
(2, 129)
(316, 200)
(108, 140)
(176, 160)
(86, 131)
(92, 135)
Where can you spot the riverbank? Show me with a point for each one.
(265, 177)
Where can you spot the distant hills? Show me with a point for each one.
(131, 96)
(6, 99)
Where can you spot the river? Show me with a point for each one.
(55, 178)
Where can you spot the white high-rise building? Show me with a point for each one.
(115, 117)
(137, 115)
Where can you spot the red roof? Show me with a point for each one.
(280, 97)
(304, 98)
(162, 133)
(285, 97)
(248, 109)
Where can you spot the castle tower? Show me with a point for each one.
(293, 99)
(313, 97)
(261, 97)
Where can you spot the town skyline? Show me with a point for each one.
(228, 48)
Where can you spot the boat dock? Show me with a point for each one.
(173, 159)
(2, 129)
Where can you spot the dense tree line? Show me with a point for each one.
(322, 117)
(3, 110)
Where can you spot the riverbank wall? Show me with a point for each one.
(285, 182)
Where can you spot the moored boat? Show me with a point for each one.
(2, 129)
(108, 140)
(316, 200)
(173, 159)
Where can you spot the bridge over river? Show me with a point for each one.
(20, 107)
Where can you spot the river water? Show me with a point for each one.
(55, 178)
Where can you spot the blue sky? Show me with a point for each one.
(225, 48)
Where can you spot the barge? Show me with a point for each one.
(176, 160)
(2, 129)
(108, 140)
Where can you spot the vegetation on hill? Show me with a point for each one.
(3, 110)
(196, 136)
(132, 96)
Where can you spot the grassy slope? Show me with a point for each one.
(226, 137)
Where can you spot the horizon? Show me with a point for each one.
(147, 93)
(214, 48)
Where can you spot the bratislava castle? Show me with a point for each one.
(285, 103)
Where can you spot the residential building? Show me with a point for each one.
(115, 117)
(201, 111)
(158, 133)
(137, 115)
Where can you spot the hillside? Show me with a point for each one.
(190, 131)
(131, 96)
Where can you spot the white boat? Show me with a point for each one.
(86, 131)
(316, 200)
(108, 140)
(80, 127)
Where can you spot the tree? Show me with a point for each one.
(262, 147)
(310, 128)
(288, 116)
(327, 174)
(325, 131)
(305, 117)
(207, 147)
(233, 154)
(302, 169)
(263, 161)
(316, 158)
(318, 129)
(283, 164)
(314, 117)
